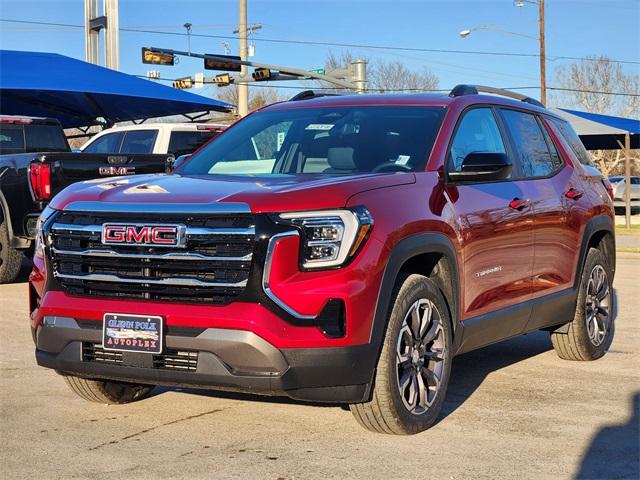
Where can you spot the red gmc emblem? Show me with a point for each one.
(160, 235)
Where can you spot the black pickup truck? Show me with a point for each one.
(35, 164)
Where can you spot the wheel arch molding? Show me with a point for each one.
(441, 262)
(597, 229)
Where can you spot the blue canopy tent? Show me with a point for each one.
(80, 94)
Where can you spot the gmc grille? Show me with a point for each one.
(212, 268)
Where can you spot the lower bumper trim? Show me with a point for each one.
(226, 359)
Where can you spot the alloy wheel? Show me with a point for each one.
(420, 356)
(598, 305)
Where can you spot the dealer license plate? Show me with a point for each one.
(132, 333)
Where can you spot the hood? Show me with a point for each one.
(274, 193)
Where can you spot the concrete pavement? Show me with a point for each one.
(514, 410)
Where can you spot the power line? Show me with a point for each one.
(437, 90)
(621, 94)
(330, 44)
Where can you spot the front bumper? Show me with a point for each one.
(226, 359)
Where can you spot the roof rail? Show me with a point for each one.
(461, 90)
(309, 94)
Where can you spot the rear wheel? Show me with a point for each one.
(589, 335)
(415, 363)
(105, 391)
(10, 258)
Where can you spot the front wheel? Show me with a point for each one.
(590, 333)
(10, 258)
(415, 363)
(105, 391)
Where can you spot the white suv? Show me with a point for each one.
(175, 138)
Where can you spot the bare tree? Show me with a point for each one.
(258, 96)
(394, 76)
(601, 74)
(334, 61)
(385, 75)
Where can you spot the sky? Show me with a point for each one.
(574, 28)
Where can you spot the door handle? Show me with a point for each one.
(573, 194)
(519, 204)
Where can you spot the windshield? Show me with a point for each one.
(325, 140)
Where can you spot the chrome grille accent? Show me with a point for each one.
(166, 256)
(176, 360)
(95, 353)
(213, 267)
(183, 282)
(169, 360)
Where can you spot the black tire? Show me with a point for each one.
(104, 391)
(10, 258)
(589, 340)
(389, 411)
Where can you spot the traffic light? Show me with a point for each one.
(222, 80)
(261, 74)
(182, 83)
(227, 63)
(156, 57)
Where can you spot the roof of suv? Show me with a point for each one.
(413, 99)
(165, 126)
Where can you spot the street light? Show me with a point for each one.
(467, 32)
(188, 27)
(540, 38)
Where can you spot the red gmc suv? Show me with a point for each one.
(339, 249)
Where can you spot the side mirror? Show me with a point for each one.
(178, 161)
(483, 167)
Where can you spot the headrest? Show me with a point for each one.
(341, 158)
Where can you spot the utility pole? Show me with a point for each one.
(243, 89)
(91, 32)
(111, 35)
(358, 74)
(627, 180)
(93, 24)
(543, 63)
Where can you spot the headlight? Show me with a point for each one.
(330, 237)
(38, 250)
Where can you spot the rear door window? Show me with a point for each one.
(138, 141)
(536, 158)
(186, 142)
(555, 156)
(45, 138)
(11, 138)
(109, 143)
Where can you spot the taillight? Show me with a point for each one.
(40, 178)
(610, 189)
(16, 120)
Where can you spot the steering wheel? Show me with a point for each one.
(391, 167)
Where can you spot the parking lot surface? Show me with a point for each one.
(514, 410)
